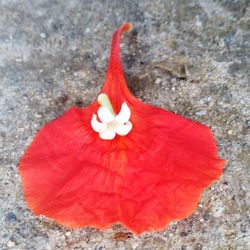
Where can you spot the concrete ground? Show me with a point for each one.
(53, 55)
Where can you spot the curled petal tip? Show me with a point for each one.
(127, 26)
(115, 84)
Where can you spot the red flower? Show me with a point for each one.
(142, 168)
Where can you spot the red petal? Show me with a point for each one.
(143, 180)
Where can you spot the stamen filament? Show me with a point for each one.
(104, 101)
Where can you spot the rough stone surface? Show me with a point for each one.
(53, 55)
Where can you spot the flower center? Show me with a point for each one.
(111, 124)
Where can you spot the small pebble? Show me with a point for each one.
(11, 243)
(201, 113)
(173, 80)
(221, 43)
(198, 23)
(229, 132)
(158, 80)
(68, 233)
(247, 124)
(43, 35)
(11, 218)
(38, 115)
(247, 139)
(19, 60)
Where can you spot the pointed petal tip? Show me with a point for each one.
(124, 114)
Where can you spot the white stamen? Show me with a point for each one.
(111, 124)
(104, 101)
(105, 115)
